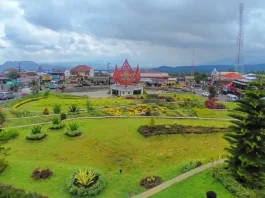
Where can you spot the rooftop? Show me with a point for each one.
(81, 68)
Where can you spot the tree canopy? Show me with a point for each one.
(246, 136)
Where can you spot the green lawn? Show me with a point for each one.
(195, 187)
(108, 145)
(50, 101)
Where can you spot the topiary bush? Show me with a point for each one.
(56, 124)
(150, 182)
(36, 133)
(46, 111)
(8, 134)
(3, 165)
(85, 182)
(148, 111)
(38, 174)
(57, 109)
(63, 116)
(73, 130)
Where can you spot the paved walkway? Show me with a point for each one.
(177, 179)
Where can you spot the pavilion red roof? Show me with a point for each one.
(232, 76)
(81, 68)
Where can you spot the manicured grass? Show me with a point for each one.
(195, 187)
(50, 101)
(209, 113)
(108, 145)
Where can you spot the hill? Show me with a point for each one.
(208, 68)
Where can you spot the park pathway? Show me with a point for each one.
(177, 179)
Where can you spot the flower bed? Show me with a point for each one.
(148, 131)
(112, 111)
(151, 182)
(211, 104)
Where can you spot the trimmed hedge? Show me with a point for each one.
(222, 174)
(190, 165)
(147, 130)
(82, 191)
(11, 192)
(26, 101)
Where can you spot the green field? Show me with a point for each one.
(108, 145)
(195, 187)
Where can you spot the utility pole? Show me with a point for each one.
(19, 68)
(108, 72)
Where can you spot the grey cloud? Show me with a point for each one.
(157, 21)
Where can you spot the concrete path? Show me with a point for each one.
(177, 179)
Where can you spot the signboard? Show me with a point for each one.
(46, 77)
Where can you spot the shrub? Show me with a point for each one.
(162, 97)
(46, 111)
(73, 109)
(46, 93)
(38, 174)
(89, 106)
(72, 130)
(190, 165)
(152, 121)
(36, 134)
(170, 99)
(148, 111)
(8, 191)
(2, 116)
(56, 124)
(171, 113)
(129, 97)
(85, 182)
(57, 109)
(151, 182)
(19, 114)
(63, 116)
(223, 175)
(3, 165)
(8, 134)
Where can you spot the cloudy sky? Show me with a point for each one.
(147, 32)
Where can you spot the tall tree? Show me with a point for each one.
(13, 75)
(247, 138)
(212, 92)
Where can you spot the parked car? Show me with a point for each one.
(206, 94)
(6, 95)
(231, 97)
(78, 85)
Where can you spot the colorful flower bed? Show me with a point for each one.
(112, 111)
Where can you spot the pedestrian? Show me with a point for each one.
(120, 171)
(211, 194)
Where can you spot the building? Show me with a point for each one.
(81, 73)
(250, 77)
(224, 77)
(60, 75)
(153, 77)
(27, 77)
(126, 81)
(7, 71)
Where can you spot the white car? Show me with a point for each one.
(206, 94)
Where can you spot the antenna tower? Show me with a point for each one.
(239, 61)
(192, 71)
